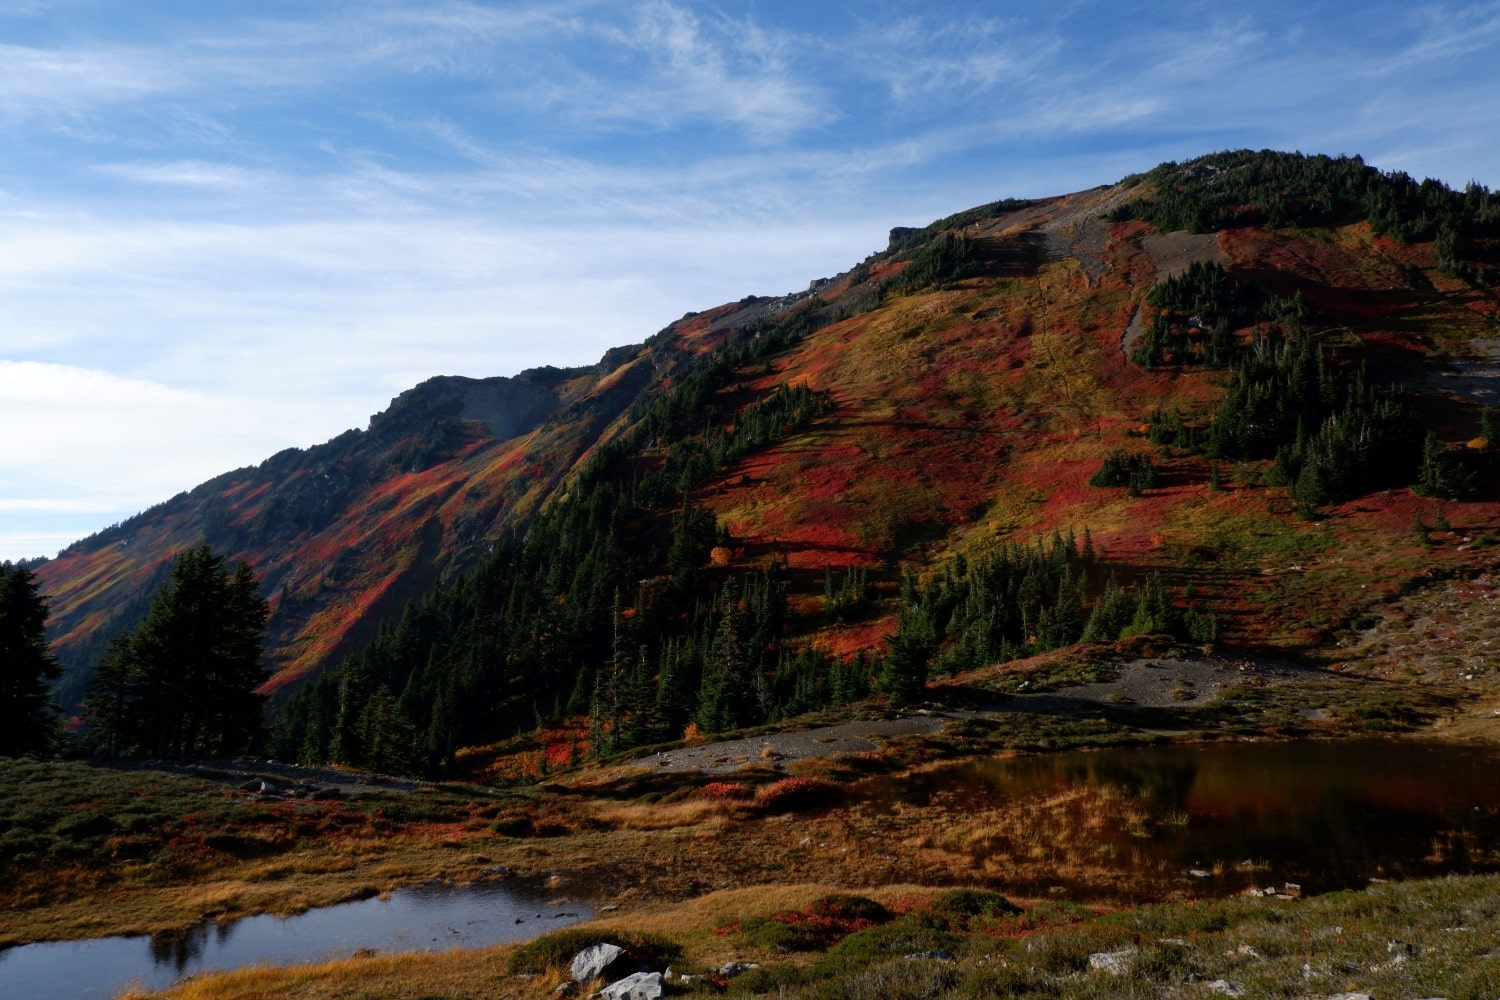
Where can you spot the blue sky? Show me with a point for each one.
(230, 228)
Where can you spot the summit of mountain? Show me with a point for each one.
(952, 396)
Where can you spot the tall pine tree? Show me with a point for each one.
(27, 720)
(183, 683)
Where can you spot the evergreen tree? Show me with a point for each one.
(182, 684)
(903, 673)
(27, 719)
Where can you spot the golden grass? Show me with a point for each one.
(666, 816)
(472, 973)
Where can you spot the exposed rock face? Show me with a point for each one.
(507, 406)
(899, 233)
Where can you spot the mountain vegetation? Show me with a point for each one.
(1022, 427)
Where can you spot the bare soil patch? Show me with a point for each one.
(779, 749)
(1172, 253)
(1162, 683)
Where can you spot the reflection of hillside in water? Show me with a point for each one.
(1326, 815)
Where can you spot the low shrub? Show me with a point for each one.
(728, 791)
(966, 910)
(893, 940)
(797, 793)
(826, 921)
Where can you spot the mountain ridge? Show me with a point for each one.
(999, 340)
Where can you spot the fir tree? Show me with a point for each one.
(27, 719)
(183, 683)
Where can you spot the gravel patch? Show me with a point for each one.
(778, 749)
(1476, 378)
(1159, 683)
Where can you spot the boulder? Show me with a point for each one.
(591, 962)
(640, 986)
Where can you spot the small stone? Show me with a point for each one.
(732, 969)
(1225, 987)
(1114, 962)
(1199, 873)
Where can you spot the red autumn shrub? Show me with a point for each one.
(726, 791)
(797, 793)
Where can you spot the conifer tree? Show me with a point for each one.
(183, 683)
(27, 719)
(903, 673)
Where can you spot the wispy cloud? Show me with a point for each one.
(1446, 33)
(36, 82)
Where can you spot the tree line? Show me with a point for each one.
(181, 684)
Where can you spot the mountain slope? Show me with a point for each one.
(970, 381)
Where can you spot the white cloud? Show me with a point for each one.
(192, 174)
(41, 81)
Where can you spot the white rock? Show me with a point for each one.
(1114, 962)
(640, 986)
(1225, 987)
(591, 962)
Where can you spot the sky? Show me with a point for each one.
(231, 228)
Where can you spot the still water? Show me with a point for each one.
(423, 918)
(1231, 816)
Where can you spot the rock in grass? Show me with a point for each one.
(732, 969)
(640, 986)
(1225, 987)
(1114, 962)
(591, 962)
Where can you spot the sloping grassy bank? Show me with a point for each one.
(1438, 937)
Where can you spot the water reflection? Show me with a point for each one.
(1325, 815)
(423, 918)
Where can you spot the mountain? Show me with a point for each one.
(1248, 391)
(346, 532)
